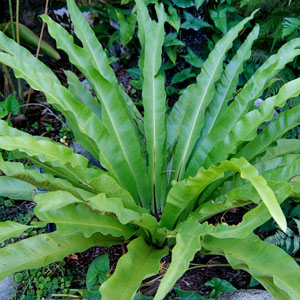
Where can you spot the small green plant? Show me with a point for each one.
(163, 176)
(41, 283)
(9, 106)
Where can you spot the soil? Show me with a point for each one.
(201, 270)
(193, 280)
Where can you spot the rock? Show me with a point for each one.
(7, 288)
(246, 295)
(80, 150)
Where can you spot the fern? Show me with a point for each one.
(289, 241)
(259, 57)
(290, 27)
(283, 77)
(278, 19)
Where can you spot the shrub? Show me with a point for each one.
(163, 175)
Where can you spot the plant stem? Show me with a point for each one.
(6, 72)
(20, 90)
(17, 21)
(38, 49)
(12, 19)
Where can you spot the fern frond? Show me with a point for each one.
(282, 77)
(258, 57)
(290, 26)
(288, 241)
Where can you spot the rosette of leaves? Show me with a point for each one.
(163, 175)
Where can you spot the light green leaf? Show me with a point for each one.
(140, 262)
(16, 189)
(238, 196)
(54, 200)
(184, 193)
(11, 47)
(82, 94)
(62, 99)
(40, 77)
(260, 259)
(73, 218)
(7, 130)
(278, 127)
(104, 183)
(99, 60)
(91, 133)
(154, 101)
(44, 249)
(113, 205)
(70, 164)
(130, 163)
(251, 91)
(40, 180)
(187, 244)
(251, 220)
(246, 128)
(282, 147)
(127, 213)
(228, 83)
(186, 119)
(11, 229)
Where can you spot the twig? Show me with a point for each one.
(191, 268)
(38, 48)
(48, 109)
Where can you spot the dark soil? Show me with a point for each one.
(193, 280)
(202, 269)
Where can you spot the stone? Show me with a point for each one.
(7, 288)
(80, 150)
(246, 295)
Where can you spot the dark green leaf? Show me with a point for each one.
(12, 105)
(188, 295)
(193, 59)
(140, 296)
(173, 19)
(171, 40)
(198, 3)
(127, 27)
(192, 22)
(182, 76)
(183, 3)
(97, 271)
(3, 111)
(220, 286)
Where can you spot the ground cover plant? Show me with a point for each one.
(163, 176)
